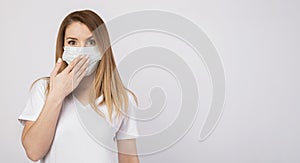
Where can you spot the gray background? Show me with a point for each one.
(258, 42)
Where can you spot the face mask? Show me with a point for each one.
(93, 53)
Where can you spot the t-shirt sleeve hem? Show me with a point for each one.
(23, 118)
(125, 135)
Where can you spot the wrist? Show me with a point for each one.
(55, 97)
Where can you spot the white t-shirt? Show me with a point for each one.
(78, 137)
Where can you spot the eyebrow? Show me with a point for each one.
(73, 38)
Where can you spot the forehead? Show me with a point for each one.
(78, 30)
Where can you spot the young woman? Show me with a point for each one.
(85, 72)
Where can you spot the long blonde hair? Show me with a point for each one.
(107, 81)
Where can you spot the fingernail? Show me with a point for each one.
(59, 60)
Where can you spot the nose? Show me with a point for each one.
(82, 43)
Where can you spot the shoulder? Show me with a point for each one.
(40, 81)
(132, 105)
(39, 84)
(132, 99)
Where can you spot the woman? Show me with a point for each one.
(85, 72)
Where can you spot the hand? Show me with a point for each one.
(65, 82)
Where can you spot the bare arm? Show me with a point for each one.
(127, 152)
(37, 136)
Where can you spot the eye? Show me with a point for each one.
(72, 42)
(91, 42)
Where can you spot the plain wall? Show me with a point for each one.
(258, 42)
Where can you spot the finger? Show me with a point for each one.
(50, 83)
(82, 69)
(56, 68)
(79, 78)
(80, 65)
(72, 64)
(55, 71)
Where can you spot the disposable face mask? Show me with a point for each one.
(70, 53)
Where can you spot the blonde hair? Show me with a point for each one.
(107, 81)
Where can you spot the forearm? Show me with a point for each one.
(123, 158)
(38, 138)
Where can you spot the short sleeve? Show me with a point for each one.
(128, 128)
(35, 102)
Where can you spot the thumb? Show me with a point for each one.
(57, 67)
